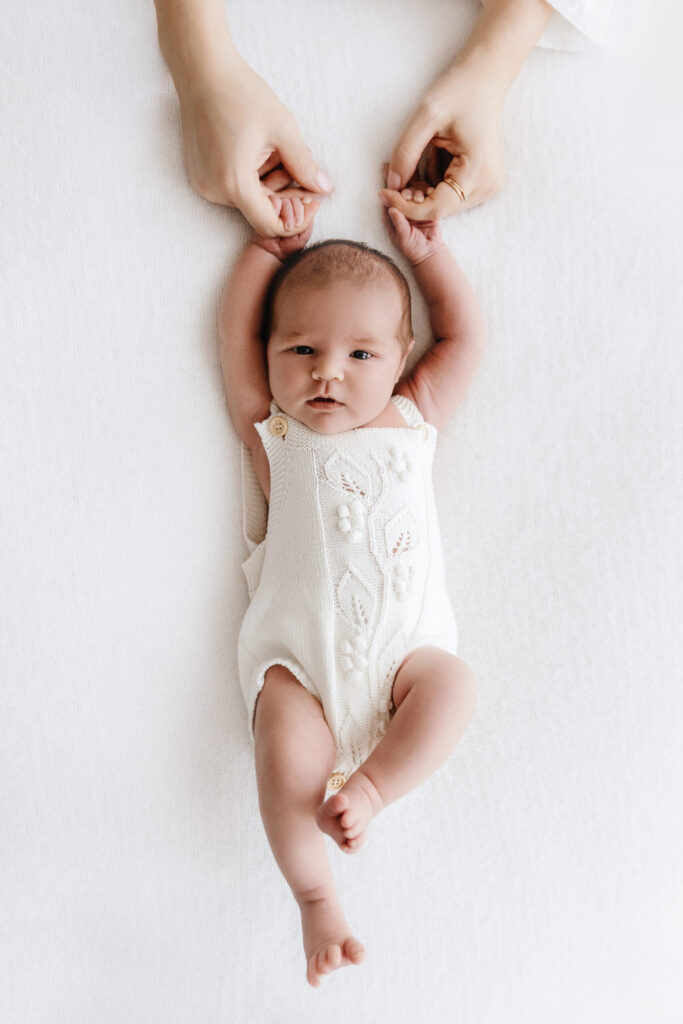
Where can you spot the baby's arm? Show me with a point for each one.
(441, 377)
(243, 355)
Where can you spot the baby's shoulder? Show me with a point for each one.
(415, 389)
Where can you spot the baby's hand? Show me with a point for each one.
(417, 240)
(294, 211)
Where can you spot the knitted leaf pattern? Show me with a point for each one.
(401, 532)
(344, 473)
(356, 601)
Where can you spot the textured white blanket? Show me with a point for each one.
(535, 879)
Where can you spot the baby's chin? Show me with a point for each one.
(333, 422)
(322, 420)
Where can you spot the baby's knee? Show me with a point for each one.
(466, 686)
(457, 688)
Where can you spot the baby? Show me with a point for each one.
(347, 654)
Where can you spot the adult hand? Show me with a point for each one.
(241, 145)
(454, 133)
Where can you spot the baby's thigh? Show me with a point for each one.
(289, 723)
(439, 676)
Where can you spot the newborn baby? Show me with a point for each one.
(347, 653)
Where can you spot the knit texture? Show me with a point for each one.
(349, 577)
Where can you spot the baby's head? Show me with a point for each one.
(338, 332)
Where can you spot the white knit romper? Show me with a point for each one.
(349, 577)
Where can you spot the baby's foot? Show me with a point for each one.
(328, 943)
(346, 815)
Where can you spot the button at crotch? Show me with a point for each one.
(336, 781)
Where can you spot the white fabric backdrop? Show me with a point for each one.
(536, 877)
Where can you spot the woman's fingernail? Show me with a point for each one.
(393, 180)
(323, 182)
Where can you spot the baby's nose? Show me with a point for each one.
(327, 368)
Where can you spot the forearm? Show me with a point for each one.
(195, 40)
(453, 307)
(243, 357)
(503, 36)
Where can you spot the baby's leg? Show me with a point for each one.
(295, 753)
(434, 695)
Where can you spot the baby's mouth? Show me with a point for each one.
(323, 402)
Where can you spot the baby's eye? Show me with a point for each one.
(302, 350)
(361, 354)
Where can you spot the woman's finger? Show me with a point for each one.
(269, 164)
(409, 148)
(277, 180)
(297, 159)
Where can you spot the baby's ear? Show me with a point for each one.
(409, 349)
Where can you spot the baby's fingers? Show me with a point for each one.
(399, 223)
(441, 202)
(277, 203)
(422, 209)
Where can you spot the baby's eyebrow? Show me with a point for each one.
(367, 341)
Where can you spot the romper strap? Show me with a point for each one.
(254, 504)
(410, 412)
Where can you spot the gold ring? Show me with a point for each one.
(459, 191)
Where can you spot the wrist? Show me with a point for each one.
(428, 255)
(502, 39)
(266, 245)
(489, 70)
(199, 52)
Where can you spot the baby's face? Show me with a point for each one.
(334, 354)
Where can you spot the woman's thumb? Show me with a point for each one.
(408, 150)
(298, 161)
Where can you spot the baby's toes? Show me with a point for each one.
(337, 804)
(351, 845)
(354, 950)
(329, 958)
(348, 819)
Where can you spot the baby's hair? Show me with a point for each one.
(338, 260)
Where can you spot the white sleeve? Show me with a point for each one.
(578, 24)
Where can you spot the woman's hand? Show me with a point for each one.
(417, 240)
(241, 145)
(454, 133)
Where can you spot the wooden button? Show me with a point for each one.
(336, 781)
(278, 426)
(425, 431)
